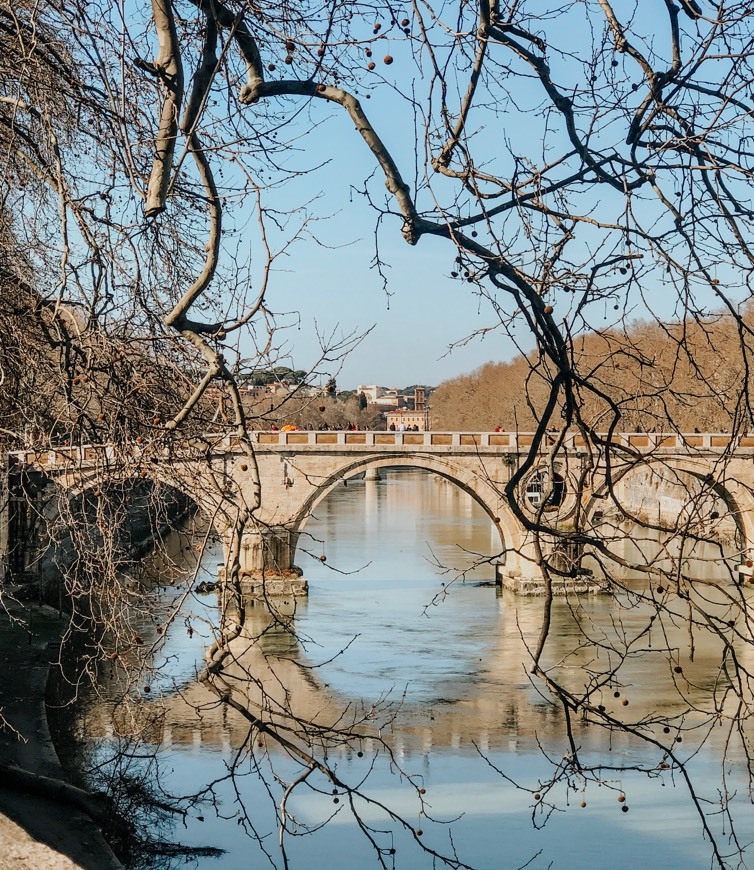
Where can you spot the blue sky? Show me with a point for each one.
(413, 328)
(326, 280)
(332, 281)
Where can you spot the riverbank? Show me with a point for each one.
(37, 832)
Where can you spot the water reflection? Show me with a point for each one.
(469, 689)
(403, 623)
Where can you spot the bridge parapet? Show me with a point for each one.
(66, 455)
(504, 442)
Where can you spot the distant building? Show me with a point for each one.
(263, 391)
(393, 399)
(416, 400)
(267, 390)
(408, 419)
(389, 399)
(371, 391)
(256, 392)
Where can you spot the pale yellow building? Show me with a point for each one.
(404, 420)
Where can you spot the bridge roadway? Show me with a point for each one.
(678, 479)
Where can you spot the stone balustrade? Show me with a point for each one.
(514, 442)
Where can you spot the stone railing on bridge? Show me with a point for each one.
(355, 440)
(515, 441)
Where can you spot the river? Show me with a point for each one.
(403, 614)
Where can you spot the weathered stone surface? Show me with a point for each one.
(273, 587)
(534, 586)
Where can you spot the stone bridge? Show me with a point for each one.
(700, 482)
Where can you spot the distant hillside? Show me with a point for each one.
(695, 374)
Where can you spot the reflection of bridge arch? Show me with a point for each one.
(483, 492)
(502, 702)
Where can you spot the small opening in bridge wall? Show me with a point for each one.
(541, 492)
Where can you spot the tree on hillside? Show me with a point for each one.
(276, 375)
(661, 377)
(582, 162)
(309, 412)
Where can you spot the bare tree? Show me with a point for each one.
(685, 375)
(582, 163)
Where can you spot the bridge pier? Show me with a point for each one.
(522, 574)
(266, 563)
(532, 586)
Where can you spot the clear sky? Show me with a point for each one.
(413, 328)
(330, 278)
(336, 288)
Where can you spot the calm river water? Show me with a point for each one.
(420, 629)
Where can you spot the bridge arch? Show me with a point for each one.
(483, 491)
(720, 483)
(98, 496)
